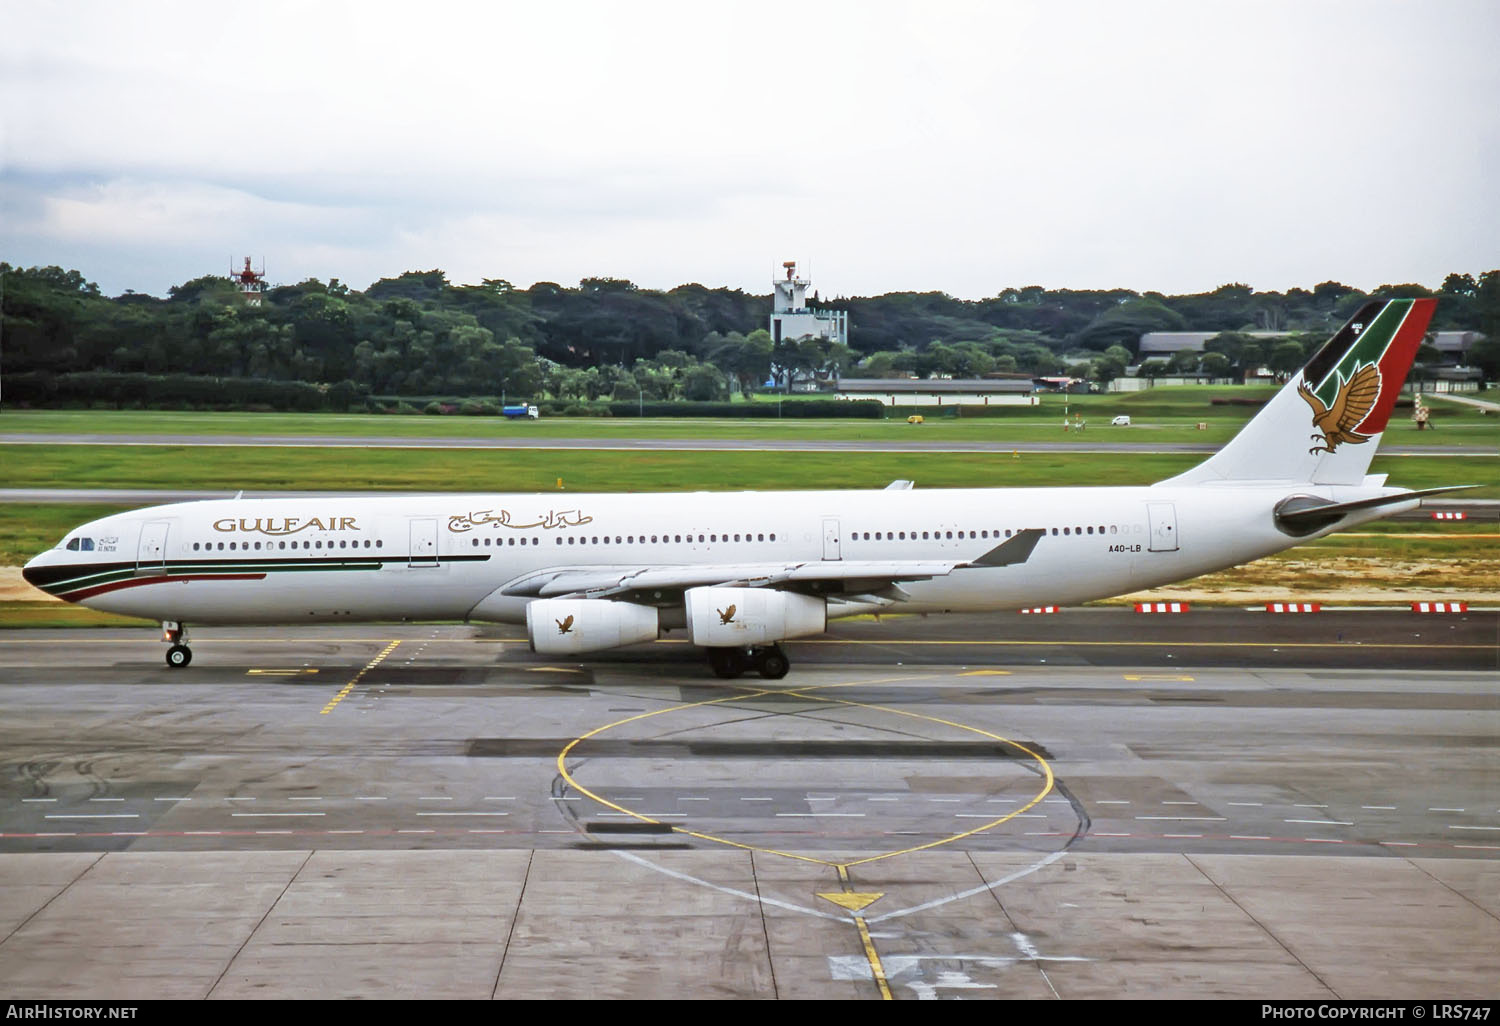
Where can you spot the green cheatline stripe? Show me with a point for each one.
(1369, 348)
(60, 588)
(244, 566)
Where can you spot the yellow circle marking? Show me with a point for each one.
(802, 692)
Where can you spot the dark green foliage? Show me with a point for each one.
(416, 336)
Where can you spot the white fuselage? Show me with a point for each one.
(452, 557)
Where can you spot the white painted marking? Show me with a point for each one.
(1182, 803)
(1387, 808)
(1452, 827)
(821, 815)
(370, 798)
(303, 798)
(1248, 805)
(106, 799)
(343, 831)
(1183, 835)
(694, 799)
(238, 815)
(1249, 837)
(1001, 801)
(1323, 840)
(973, 815)
(1480, 847)
(1319, 822)
(1057, 801)
(757, 799)
(273, 831)
(1103, 834)
(820, 799)
(416, 831)
(69, 833)
(463, 814)
(882, 799)
(1041, 833)
(127, 833)
(204, 833)
(1445, 810)
(757, 899)
(1299, 805)
(229, 799)
(95, 815)
(945, 799)
(1399, 844)
(171, 799)
(429, 798)
(567, 798)
(1114, 802)
(38, 799)
(473, 830)
(1187, 819)
(491, 798)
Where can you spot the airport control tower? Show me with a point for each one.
(252, 284)
(790, 317)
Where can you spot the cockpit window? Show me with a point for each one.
(72, 544)
(88, 545)
(80, 545)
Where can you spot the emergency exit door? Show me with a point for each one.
(1163, 519)
(151, 555)
(831, 543)
(423, 550)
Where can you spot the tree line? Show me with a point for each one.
(419, 335)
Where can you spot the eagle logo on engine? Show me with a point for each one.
(726, 616)
(564, 626)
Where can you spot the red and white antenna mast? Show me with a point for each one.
(252, 283)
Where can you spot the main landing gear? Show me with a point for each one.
(769, 661)
(179, 655)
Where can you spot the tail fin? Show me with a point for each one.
(1323, 427)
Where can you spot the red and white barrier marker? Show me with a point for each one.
(1293, 607)
(1439, 607)
(1161, 607)
(1040, 609)
(1447, 515)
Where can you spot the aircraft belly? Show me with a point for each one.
(293, 597)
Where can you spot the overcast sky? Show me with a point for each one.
(963, 147)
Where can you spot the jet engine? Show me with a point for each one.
(569, 626)
(738, 617)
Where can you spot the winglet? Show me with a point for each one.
(1011, 551)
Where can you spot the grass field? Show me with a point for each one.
(1159, 415)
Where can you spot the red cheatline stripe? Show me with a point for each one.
(79, 596)
(1396, 362)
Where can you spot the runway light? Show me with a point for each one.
(1162, 607)
(1439, 607)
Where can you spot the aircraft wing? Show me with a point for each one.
(840, 575)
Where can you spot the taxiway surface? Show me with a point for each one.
(1092, 804)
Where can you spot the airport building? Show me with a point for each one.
(791, 318)
(941, 391)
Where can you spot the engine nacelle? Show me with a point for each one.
(735, 617)
(569, 626)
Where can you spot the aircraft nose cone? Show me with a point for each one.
(32, 572)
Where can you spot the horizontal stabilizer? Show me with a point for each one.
(1302, 514)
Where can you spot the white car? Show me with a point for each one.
(1120, 421)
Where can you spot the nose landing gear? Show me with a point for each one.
(179, 655)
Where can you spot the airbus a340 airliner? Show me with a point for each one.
(743, 571)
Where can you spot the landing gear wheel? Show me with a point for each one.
(772, 663)
(728, 663)
(179, 656)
